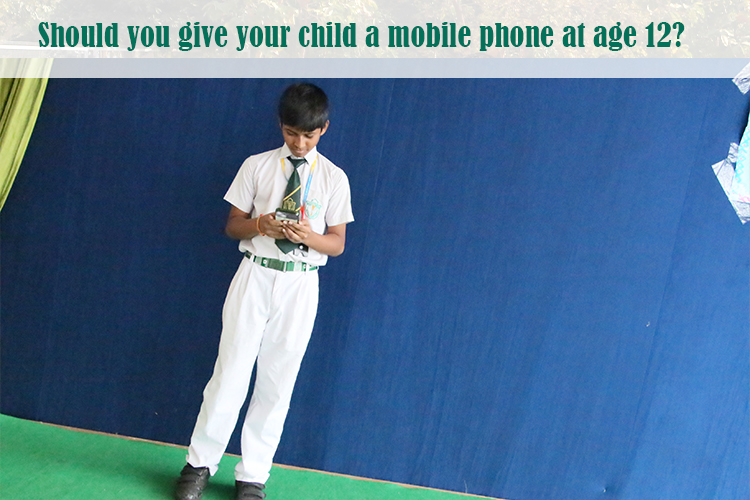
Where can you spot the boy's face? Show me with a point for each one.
(299, 141)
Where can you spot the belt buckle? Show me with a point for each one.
(267, 263)
(280, 265)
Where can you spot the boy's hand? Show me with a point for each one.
(296, 232)
(269, 226)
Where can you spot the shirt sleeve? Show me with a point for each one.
(241, 192)
(340, 203)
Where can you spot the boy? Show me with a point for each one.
(290, 207)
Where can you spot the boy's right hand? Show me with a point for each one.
(269, 226)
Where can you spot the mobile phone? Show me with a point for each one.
(287, 216)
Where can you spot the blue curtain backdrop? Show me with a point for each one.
(545, 293)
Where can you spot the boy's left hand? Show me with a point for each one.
(296, 232)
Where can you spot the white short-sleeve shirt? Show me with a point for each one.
(260, 186)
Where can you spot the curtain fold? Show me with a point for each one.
(20, 100)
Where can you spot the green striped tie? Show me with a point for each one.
(291, 203)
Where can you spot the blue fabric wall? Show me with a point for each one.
(545, 293)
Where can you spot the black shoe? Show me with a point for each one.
(191, 483)
(249, 491)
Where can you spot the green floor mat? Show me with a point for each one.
(40, 461)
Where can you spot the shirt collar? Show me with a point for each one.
(310, 157)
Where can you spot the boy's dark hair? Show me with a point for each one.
(303, 106)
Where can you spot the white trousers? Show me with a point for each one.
(268, 315)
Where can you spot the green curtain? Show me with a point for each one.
(20, 99)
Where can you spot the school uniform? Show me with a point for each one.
(268, 314)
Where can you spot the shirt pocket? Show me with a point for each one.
(315, 206)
